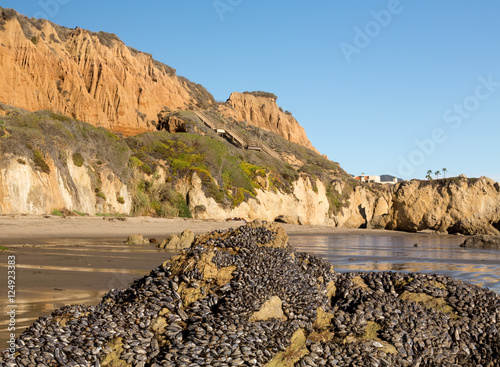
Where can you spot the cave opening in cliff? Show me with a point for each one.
(362, 211)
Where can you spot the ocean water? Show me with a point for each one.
(65, 272)
(436, 254)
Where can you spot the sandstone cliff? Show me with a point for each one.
(302, 205)
(454, 205)
(362, 207)
(49, 162)
(457, 205)
(90, 76)
(26, 190)
(96, 78)
(260, 109)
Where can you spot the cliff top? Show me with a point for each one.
(272, 96)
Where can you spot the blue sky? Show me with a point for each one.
(394, 87)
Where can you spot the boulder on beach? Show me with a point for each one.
(136, 240)
(482, 241)
(286, 219)
(178, 242)
(246, 297)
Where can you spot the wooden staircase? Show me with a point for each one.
(223, 129)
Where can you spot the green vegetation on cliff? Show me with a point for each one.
(157, 165)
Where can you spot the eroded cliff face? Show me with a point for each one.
(96, 78)
(447, 206)
(362, 207)
(459, 205)
(26, 190)
(263, 112)
(303, 205)
(89, 76)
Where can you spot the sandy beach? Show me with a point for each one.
(37, 229)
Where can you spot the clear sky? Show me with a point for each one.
(397, 87)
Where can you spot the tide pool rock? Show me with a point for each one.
(246, 297)
(482, 241)
(178, 242)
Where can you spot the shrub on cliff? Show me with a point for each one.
(107, 39)
(204, 100)
(78, 159)
(40, 162)
(260, 93)
(215, 163)
(153, 197)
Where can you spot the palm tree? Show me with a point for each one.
(437, 173)
(444, 172)
(429, 175)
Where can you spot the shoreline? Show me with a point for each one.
(20, 229)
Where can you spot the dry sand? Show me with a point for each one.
(34, 229)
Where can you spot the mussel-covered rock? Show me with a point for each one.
(482, 241)
(245, 297)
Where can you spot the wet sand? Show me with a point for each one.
(37, 229)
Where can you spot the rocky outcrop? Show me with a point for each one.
(93, 77)
(136, 240)
(363, 208)
(260, 109)
(178, 242)
(359, 206)
(303, 202)
(482, 241)
(458, 205)
(171, 123)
